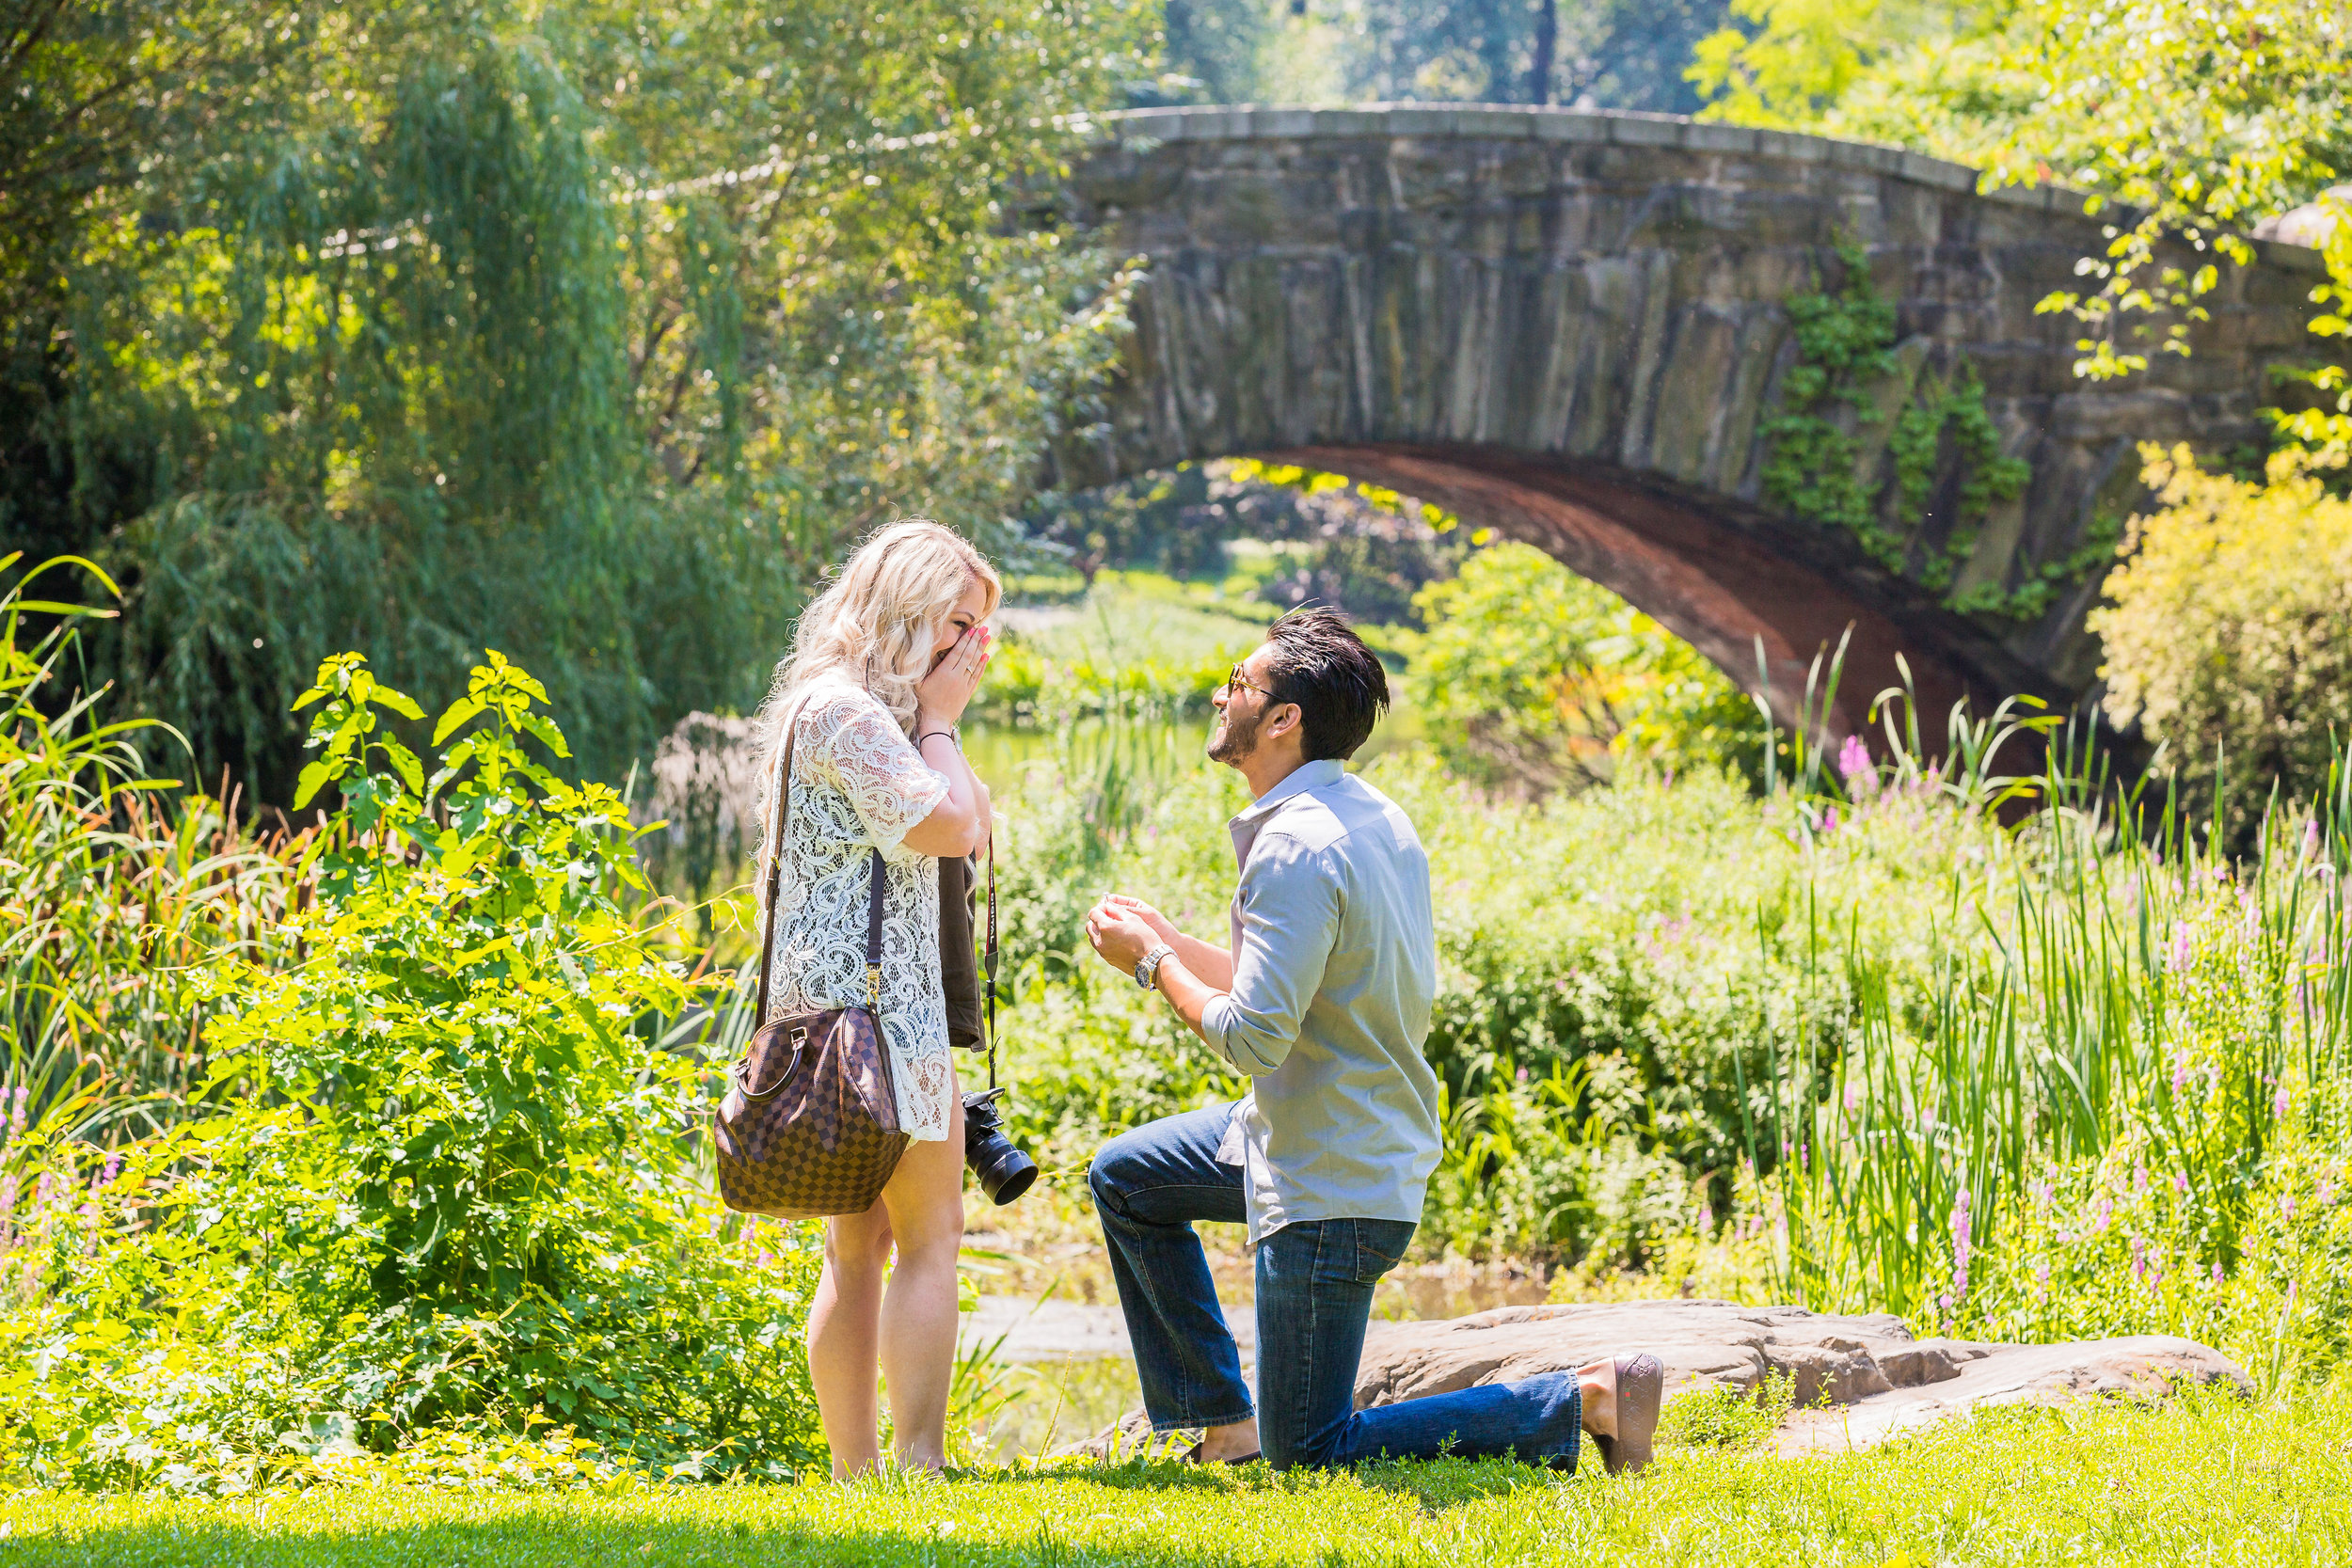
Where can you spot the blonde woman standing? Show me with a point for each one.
(881, 667)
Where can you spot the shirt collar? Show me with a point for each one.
(1306, 776)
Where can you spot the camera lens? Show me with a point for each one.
(1003, 1171)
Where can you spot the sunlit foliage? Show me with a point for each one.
(591, 330)
(2178, 117)
(2228, 630)
(1531, 679)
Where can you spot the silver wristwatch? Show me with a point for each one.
(1148, 972)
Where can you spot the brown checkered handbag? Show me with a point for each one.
(809, 1126)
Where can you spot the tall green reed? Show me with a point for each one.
(2132, 1060)
(113, 883)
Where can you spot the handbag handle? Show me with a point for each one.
(775, 886)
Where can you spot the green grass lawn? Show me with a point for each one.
(2209, 1481)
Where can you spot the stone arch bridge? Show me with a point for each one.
(1573, 326)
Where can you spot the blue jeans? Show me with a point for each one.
(1315, 1280)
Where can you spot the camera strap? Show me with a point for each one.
(989, 962)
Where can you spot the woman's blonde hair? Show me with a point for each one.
(876, 621)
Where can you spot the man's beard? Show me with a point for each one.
(1237, 740)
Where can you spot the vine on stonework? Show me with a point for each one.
(1844, 341)
(1845, 348)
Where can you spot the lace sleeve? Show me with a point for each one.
(863, 753)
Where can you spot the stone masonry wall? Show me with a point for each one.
(1570, 325)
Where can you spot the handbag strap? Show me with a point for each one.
(775, 887)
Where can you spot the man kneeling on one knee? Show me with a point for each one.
(1323, 998)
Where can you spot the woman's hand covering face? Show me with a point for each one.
(941, 696)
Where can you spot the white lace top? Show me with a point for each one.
(858, 782)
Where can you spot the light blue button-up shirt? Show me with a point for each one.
(1335, 968)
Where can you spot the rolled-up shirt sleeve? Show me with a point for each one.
(1288, 909)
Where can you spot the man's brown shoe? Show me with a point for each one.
(1641, 1393)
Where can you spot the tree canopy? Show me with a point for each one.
(586, 329)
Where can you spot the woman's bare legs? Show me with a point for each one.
(910, 1329)
(841, 1336)
(918, 1314)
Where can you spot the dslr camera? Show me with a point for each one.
(1002, 1170)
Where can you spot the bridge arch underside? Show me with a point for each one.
(1723, 582)
(1574, 328)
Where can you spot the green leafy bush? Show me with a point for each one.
(1618, 973)
(448, 1186)
(1529, 678)
(2228, 631)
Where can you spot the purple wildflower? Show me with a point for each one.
(2139, 1256)
(2140, 1179)
(1855, 767)
(1829, 820)
(16, 1117)
(7, 1195)
(2217, 1271)
(2179, 945)
(2041, 1191)
(2286, 1205)
(1707, 1219)
(2179, 1073)
(2180, 1182)
(1959, 1243)
(2106, 1213)
(2279, 1104)
(2041, 1276)
(2311, 838)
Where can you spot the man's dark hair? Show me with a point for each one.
(1336, 682)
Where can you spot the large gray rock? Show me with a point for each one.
(1867, 1376)
(1879, 1381)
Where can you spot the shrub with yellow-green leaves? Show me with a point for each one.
(2228, 628)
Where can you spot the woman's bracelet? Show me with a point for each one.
(952, 738)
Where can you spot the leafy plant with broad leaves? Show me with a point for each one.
(451, 1183)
